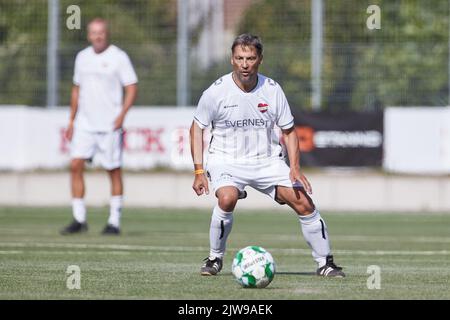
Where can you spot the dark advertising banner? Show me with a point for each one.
(343, 140)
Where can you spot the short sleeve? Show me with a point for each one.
(127, 75)
(285, 120)
(205, 112)
(76, 71)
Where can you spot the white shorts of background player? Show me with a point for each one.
(105, 146)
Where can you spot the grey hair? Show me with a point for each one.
(247, 40)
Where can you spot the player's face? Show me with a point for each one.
(98, 36)
(246, 61)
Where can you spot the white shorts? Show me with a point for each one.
(105, 146)
(264, 177)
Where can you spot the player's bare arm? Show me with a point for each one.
(73, 111)
(291, 141)
(200, 185)
(128, 101)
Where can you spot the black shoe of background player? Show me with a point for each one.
(330, 269)
(75, 227)
(111, 230)
(211, 267)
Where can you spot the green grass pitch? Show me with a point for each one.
(159, 254)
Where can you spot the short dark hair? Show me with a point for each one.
(247, 40)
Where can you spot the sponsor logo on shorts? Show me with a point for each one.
(225, 176)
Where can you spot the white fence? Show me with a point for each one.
(333, 190)
(33, 138)
(416, 140)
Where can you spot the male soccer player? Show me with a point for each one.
(98, 109)
(244, 108)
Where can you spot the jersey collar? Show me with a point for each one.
(258, 80)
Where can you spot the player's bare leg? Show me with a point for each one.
(313, 227)
(297, 199)
(115, 176)
(115, 212)
(220, 228)
(78, 207)
(77, 178)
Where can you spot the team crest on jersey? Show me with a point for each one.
(263, 107)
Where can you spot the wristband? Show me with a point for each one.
(199, 171)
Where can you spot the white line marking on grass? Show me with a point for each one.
(10, 252)
(50, 252)
(358, 238)
(394, 252)
(99, 246)
(122, 247)
(392, 239)
(367, 252)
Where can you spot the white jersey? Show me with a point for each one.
(244, 123)
(101, 78)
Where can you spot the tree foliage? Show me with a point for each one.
(404, 63)
(146, 30)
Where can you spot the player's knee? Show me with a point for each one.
(308, 208)
(115, 173)
(303, 204)
(304, 207)
(227, 202)
(76, 166)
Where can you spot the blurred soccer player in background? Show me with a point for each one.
(244, 108)
(103, 73)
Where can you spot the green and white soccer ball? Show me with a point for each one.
(253, 267)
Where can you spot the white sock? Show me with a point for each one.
(221, 223)
(316, 235)
(115, 210)
(79, 210)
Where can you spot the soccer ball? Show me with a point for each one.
(253, 267)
